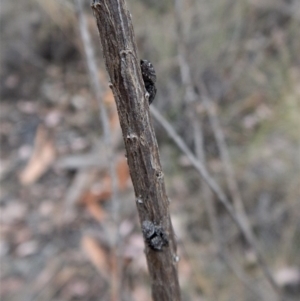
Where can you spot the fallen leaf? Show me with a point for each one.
(123, 173)
(101, 190)
(41, 159)
(96, 254)
(113, 116)
(93, 207)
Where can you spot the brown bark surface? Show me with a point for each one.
(123, 66)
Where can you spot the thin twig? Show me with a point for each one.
(222, 250)
(216, 189)
(190, 98)
(223, 149)
(232, 184)
(195, 162)
(98, 90)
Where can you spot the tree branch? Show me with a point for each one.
(120, 55)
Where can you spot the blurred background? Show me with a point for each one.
(228, 82)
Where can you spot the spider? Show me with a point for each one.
(149, 78)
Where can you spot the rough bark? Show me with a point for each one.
(123, 66)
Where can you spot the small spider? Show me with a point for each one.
(149, 78)
(154, 235)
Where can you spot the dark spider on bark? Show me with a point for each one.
(149, 78)
(154, 235)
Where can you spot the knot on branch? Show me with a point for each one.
(126, 52)
(139, 201)
(133, 138)
(176, 258)
(159, 175)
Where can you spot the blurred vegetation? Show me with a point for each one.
(247, 53)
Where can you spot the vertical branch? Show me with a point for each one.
(233, 188)
(225, 157)
(191, 97)
(98, 91)
(120, 55)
